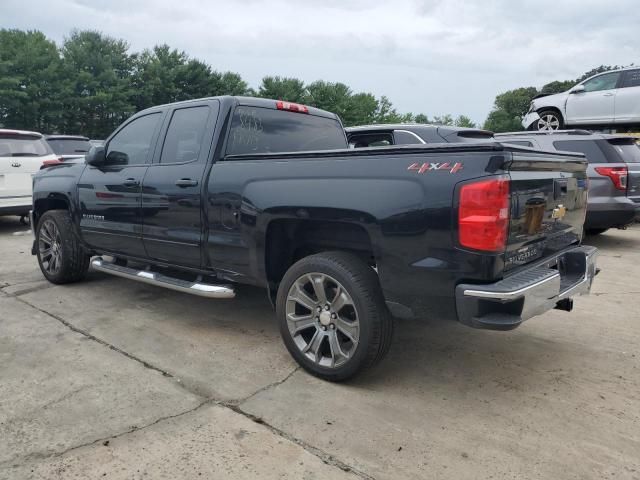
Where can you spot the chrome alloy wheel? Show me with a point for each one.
(322, 319)
(50, 247)
(548, 122)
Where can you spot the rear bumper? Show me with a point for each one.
(611, 218)
(506, 304)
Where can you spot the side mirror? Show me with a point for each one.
(95, 156)
(577, 89)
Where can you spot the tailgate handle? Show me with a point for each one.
(559, 188)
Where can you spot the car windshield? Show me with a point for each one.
(69, 146)
(12, 145)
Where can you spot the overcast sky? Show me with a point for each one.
(427, 56)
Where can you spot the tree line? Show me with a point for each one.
(92, 82)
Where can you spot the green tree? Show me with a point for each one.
(283, 88)
(228, 83)
(30, 81)
(443, 120)
(422, 118)
(362, 110)
(464, 121)
(508, 109)
(98, 88)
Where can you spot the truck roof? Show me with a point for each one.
(244, 101)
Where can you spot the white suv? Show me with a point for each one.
(21, 155)
(604, 99)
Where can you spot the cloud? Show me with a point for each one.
(429, 56)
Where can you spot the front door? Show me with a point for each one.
(173, 185)
(596, 104)
(110, 194)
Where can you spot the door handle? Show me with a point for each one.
(186, 182)
(607, 94)
(131, 182)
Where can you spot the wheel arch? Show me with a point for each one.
(288, 240)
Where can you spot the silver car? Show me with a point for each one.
(614, 172)
(609, 98)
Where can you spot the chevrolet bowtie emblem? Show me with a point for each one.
(559, 212)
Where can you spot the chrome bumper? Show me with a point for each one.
(506, 304)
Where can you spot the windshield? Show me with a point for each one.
(23, 146)
(69, 146)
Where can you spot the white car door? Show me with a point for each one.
(628, 98)
(596, 103)
(21, 156)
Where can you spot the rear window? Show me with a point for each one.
(69, 146)
(383, 139)
(263, 130)
(23, 146)
(627, 149)
(590, 148)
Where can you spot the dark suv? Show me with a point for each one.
(384, 135)
(614, 172)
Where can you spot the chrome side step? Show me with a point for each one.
(153, 278)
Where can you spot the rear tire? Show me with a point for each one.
(549, 120)
(332, 315)
(595, 231)
(60, 256)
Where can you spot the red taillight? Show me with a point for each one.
(618, 175)
(483, 214)
(50, 163)
(291, 107)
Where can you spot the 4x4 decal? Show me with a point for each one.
(428, 167)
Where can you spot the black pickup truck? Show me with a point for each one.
(200, 195)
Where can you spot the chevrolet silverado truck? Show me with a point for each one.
(200, 195)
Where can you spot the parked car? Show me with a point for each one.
(614, 172)
(267, 193)
(69, 147)
(411, 134)
(96, 143)
(22, 154)
(606, 98)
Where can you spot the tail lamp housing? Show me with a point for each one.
(483, 214)
(618, 175)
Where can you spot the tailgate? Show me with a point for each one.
(548, 205)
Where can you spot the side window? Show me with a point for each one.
(631, 79)
(406, 138)
(184, 135)
(590, 149)
(131, 145)
(603, 82)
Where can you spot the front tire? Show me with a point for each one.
(60, 255)
(332, 315)
(549, 120)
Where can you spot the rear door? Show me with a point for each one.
(548, 205)
(173, 186)
(21, 156)
(628, 98)
(110, 195)
(596, 104)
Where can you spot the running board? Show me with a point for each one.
(153, 278)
